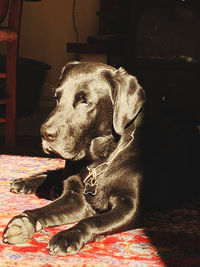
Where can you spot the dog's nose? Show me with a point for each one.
(48, 133)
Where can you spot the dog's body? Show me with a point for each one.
(118, 162)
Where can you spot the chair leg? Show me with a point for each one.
(11, 91)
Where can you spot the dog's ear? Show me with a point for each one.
(127, 97)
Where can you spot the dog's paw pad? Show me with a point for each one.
(19, 230)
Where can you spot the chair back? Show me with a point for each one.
(3, 9)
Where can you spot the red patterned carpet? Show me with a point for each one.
(170, 238)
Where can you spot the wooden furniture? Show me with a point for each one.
(171, 82)
(136, 9)
(10, 35)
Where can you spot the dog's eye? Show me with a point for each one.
(80, 98)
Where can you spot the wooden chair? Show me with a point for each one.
(10, 35)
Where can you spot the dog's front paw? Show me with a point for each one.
(19, 230)
(66, 242)
(22, 185)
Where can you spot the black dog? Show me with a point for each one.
(119, 161)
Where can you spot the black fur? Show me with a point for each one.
(99, 111)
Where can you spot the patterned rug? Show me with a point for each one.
(170, 238)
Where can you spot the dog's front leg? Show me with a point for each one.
(123, 216)
(45, 185)
(70, 207)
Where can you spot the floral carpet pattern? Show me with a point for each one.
(170, 238)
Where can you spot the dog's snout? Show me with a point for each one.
(49, 133)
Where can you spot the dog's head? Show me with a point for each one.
(91, 99)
